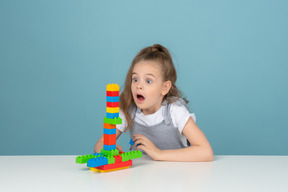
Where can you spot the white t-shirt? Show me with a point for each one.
(179, 116)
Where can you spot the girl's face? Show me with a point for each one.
(148, 87)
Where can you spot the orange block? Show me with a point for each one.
(109, 126)
(109, 139)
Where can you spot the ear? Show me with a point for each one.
(166, 87)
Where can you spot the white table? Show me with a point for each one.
(225, 173)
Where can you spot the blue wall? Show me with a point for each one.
(56, 58)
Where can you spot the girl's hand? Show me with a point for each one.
(147, 146)
(119, 148)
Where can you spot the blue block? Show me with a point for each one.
(112, 115)
(96, 162)
(109, 147)
(131, 142)
(96, 154)
(109, 131)
(112, 99)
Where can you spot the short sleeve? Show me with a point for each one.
(179, 116)
(121, 127)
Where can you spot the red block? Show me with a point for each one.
(118, 159)
(109, 139)
(112, 104)
(112, 93)
(115, 165)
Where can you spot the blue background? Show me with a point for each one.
(56, 58)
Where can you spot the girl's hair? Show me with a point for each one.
(161, 56)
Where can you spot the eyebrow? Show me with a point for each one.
(145, 74)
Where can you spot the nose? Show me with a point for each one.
(139, 86)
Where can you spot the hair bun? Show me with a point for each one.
(158, 47)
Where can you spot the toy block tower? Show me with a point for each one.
(112, 117)
(110, 159)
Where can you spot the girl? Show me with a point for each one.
(152, 109)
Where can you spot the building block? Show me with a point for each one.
(112, 93)
(114, 121)
(109, 131)
(104, 171)
(109, 139)
(112, 99)
(109, 126)
(112, 87)
(109, 147)
(118, 158)
(84, 158)
(112, 104)
(112, 109)
(112, 115)
(95, 162)
(111, 159)
(115, 165)
(110, 153)
(131, 155)
(131, 142)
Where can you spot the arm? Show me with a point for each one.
(200, 149)
(99, 144)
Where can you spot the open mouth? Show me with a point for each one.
(140, 97)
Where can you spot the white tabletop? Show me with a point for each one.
(225, 173)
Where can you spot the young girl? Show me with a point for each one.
(152, 109)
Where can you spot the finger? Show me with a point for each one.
(119, 148)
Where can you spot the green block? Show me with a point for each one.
(84, 158)
(135, 154)
(125, 157)
(111, 159)
(114, 121)
(110, 153)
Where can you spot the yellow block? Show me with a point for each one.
(104, 171)
(112, 87)
(112, 109)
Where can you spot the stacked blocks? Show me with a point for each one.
(110, 159)
(112, 112)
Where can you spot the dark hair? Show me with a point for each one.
(161, 56)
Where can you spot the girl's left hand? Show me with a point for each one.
(147, 146)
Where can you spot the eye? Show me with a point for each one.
(149, 81)
(134, 79)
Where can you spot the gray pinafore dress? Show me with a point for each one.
(164, 135)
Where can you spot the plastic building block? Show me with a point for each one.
(112, 115)
(112, 110)
(112, 99)
(114, 121)
(109, 139)
(131, 155)
(109, 147)
(109, 126)
(84, 158)
(110, 153)
(96, 162)
(118, 158)
(112, 93)
(112, 87)
(104, 171)
(131, 142)
(112, 104)
(111, 159)
(115, 165)
(109, 131)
